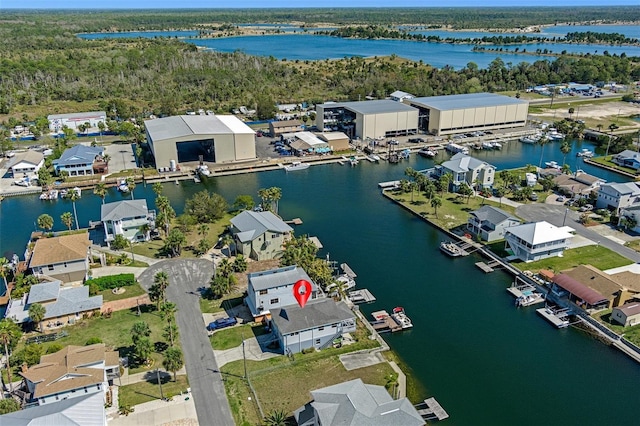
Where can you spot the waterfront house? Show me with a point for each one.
(64, 258)
(356, 403)
(26, 164)
(81, 160)
(126, 218)
(490, 223)
(63, 305)
(617, 196)
(86, 410)
(466, 169)
(603, 283)
(72, 372)
(277, 128)
(563, 285)
(537, 240)
(259, 235)
(627, 158)
(632, 212)
(627, 315)
(272, 289)
(317, 325)
(578, 183)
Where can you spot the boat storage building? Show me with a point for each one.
(444, 115)
(194, 138)
(368, 119)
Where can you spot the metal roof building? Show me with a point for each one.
(195, 138)
(368, 119)
(443, 115)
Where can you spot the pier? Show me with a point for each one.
(384, 322)
(557, 317)
(296, 221)
(488, 267)
(430, 409)
(361, 296)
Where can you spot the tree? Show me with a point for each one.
(435, 203)
(205, 207)
(10, 334)
(173, 361)
(500, 193)
(8, 405)
(131, 184)
(275, 194)
(74, 196)
(4, 269)
(101, 127)
(37, 313)
(203, 229)
(203, 246)
(167, 213)
(45, 222)
(174, 242)
(139, 330)
(565, 148)
(119, 242)
(466, 191)
(243, 202)
(67, 219)
(44, 177)
(264, 194)
(142, 349)
(168, 311)
(571, 111)
(444, 181)
(275, 418)
(157, 188)
(161, 283)
(542, 142)
(227, 240)
(100, 190)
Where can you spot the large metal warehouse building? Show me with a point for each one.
(368, 119)
(444, 115)
(194, 138)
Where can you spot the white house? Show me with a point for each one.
(628, 314)
(272, 289)
(316, 325)
(538, 240)
(126, 218)
(75, 119)
(618, 196)
(64, 258)
(466, 169)
(627, 158)
(632, 212)
(490, 223)
(26, 164)
(259, 235)
(400, 96)
(72, 372)
(86, 410)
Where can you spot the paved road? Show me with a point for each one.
(555, 214)
(186, 277)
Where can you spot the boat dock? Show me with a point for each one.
(430, 409)
(390, 184)
(296, 221)
(557, 317)
(384, 322)
(525, 294)
(361, 296)
(488, 267)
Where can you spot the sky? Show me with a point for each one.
(172, 4)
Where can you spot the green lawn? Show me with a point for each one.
(130, 291)
(597, 256)
(630, 333)
(140, 392)
(211, 306)
(232, 337)
(607, 162)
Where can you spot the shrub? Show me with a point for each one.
(54, 347)
(111, 281)
(119, 242)
(93, 341)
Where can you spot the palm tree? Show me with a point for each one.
(37, 313)
(45, 222)
(168, 311)
(100, 190)
(173, 361)
(542, 142)
(161, 279)
(67, 219)
(275, 418)
(203, 228)
(4, 267)
(101, 127)
(500, 194)
(227, 240)
(106, 158)
(10, 334)
(157, 188)
(275, 194)
(131, 183)
(435, 203)
(74, 196)
(144, 229)
(264, 195)
(565, 148)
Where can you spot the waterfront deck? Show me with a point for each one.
(361, 296)
(384, 322)
(430, 409)
(296, 221)
(525, 294)
(488, 267)
(558, 317)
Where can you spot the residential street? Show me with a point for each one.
(186, 278)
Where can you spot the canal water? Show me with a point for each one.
(487, 362)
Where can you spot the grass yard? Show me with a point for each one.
(606, 161)
(211, 306)
(141, 392)
(598, 256)
(232, 337)
(630, 333)
(634, 245)
(130, 291)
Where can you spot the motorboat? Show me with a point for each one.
(22, 182)
(451, 249)
(555, 136)
(401, 318)
(487, 145)
(496, 145)
(203, 170)
(405, 154)
(552, 165)
(584, 152)
(352, 160)
(295, 166)
(123, 187)
(427, 152)
(49, 195)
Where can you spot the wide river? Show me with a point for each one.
(486, 362)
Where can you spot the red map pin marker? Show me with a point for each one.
(302, 297)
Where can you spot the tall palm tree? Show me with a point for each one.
(542, 142)
(263, 193)
(67, 219)
(37, 313)
(131, 184)
(203, 228)
(74, 196)
(435, 203)
(565, 148)
(10, 333)
(100, 190)
(168, 312)
(45, 222)
(275, 194)
(4, 268)
(161, 279)
(157, 188)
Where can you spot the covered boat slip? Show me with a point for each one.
(583, 296)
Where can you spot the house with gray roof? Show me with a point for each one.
(617, 196)
(26, 163)
(79, 160)
(355, 403)
(538, 240)
(259, 235)
(490, 223)
(84, 410)
(317, 325)
(627, 158)
(466, 169)
(63, 305)
(267, 290)
(126, 218)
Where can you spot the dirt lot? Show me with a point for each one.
(596, 113)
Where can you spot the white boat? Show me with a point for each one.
(401, 318)
(123, 187)
(454, 148)
(496, 145)
(352, 160)
(296, 165)
(76, 190)
(22, 182)
(196, 179)
(451, 249)
(487, 145)
(552, 165)
(345, 281)
(584, 152)
(554, 136)
(427, 152)
(203, 170)
(49, 195)
(374, 158)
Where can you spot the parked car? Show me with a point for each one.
(561, 199)
(533, 196)
(222, 323)
(586, 208)
(416, 140)
(393, 142)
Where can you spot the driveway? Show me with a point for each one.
(559, 215)
(186, 278)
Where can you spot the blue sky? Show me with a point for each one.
(168, 4)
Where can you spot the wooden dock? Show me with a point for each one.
(432, 410)
(384, 322)
(557, 317)
(296, 221)
(488, 267)
(361, 296)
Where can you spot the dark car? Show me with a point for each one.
(222, 323)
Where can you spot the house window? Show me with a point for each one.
(320, 328)
(317, 342)
(262, 292)
(274, 301)
(273, 236)
(65, 264)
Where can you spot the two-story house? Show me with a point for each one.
(537, 240)
(316, 325)
(627, 158)
(64, 258)
(26, 164)
(490, 223)
(72, 372)
(466, 169)
(80, 160)
(259, 235)
(127, 218)
(618, 196)
(272, 289)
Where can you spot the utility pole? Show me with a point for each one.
(159, 383)
(244, 358)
